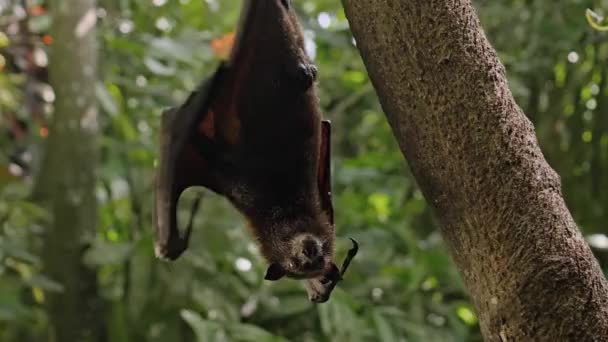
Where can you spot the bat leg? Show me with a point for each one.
(305, 76)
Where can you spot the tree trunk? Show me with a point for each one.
(66, 182)
(474, 154)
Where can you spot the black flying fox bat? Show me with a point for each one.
(253, 133)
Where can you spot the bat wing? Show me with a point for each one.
(187, 151)
(324, 172)
(190, 140)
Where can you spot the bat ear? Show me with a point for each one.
(275, 272)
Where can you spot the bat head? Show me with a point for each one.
(322, 276)
(304, 255)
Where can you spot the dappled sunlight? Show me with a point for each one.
(86, 23)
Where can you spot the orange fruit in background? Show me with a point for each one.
(47, 39)
(37, 10)
(222, 46)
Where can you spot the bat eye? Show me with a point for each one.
(286, 4)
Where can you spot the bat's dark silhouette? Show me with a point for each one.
(253, 133)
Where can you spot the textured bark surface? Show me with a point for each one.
(530, 274)
(66, 183)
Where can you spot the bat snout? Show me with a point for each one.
(310, 248)
(308, 258)
(314, 265)
(312, 256)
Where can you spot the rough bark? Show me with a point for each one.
(66, 182)
(530, 274)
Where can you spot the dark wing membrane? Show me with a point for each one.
(189, 138)
(182, 164)
(324, 172)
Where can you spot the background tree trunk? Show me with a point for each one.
(66, 183)
(530, 274)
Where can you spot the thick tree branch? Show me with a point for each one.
(475, 155)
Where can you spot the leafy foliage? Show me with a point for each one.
(402, 286)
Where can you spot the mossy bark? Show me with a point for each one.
(530, 274)
(66, 182)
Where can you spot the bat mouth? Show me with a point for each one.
(320, 288)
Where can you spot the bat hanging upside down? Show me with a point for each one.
(253, 133)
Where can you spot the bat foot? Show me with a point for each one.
(306, 75)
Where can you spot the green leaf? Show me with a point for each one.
(104, 253)
(15, 251)
(204, 330)
(45, 283)
(385, 331)
(169, 48)
(158, 68)
(106, 100)
(252, 333)
(466, 314)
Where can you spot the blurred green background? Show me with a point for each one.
(403, 285)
